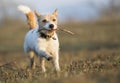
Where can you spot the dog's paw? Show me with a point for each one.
(49, 58)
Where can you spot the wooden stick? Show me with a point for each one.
(65, 30)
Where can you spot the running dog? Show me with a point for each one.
(41, 40)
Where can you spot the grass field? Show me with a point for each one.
(92, 55)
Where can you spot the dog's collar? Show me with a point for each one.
(43, 35)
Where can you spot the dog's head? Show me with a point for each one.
(47, 22)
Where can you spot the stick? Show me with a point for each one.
(65, 30)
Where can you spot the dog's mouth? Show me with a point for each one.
(49, 33)
(47, 30)
(51, 30)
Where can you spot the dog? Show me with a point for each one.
(41, 40)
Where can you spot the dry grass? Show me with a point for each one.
(91, 55)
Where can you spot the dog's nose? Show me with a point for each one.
(51, 26)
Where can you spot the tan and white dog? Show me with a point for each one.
(41, 39)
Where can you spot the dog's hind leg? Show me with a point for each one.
(32, 61)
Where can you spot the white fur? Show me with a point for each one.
(42, 47)
(24, 9)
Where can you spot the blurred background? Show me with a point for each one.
(96, 24)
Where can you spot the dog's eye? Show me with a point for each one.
(54, 20)
(44, 20)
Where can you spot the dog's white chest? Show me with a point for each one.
(34, 42)
(50, 45)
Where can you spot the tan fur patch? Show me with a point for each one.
(32, 22)
(31, 19)
(48, 17)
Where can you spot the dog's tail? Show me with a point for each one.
(24, 9)
(30, 14)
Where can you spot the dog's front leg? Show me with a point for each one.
(43, 53)
(55, 62)
(42, 64)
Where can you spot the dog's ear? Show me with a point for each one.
(55, 12)
(37, 14)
